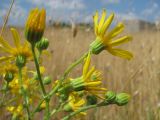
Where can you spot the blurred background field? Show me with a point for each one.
(69, 39)
(140, 77)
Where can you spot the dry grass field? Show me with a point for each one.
(139, 77)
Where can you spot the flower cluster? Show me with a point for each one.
(24, 87)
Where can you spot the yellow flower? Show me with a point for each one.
(14, 52)
(14, 86)
(8, 67)
(35, 25)
(104, 40)
(90, 81)
(8, 71)
(15, 110)
(43, 105)
(28, 83)
(75, 102)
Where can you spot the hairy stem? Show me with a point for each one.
(24, 92)
(41, 83)
(78, 111)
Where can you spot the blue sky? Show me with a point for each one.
(82, 10)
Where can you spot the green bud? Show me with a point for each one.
(20, 61)
(47, 80)
(64, 97)
(110, 96)
(67, 108)
(122, 99)
(91, 100)
(64, 92)
(42, 44)
(97, 46)
(9, 76)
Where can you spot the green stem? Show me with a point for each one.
(78, 111)
(104, 103)
(37, 108)
(41, 83)
(5, 91)
(24, 92)
(38, 71)
(58, 108)
(67, 71)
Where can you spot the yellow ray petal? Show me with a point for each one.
(33, 18)
(3, 59)
(97, 88)
(86, 64)
(95, 19)
(5, 44)
(93, 84)
(16, 38)
(83, 113)
(4, 49)
(29, 18)
(42, 19)
(121, 53)
(89, 73)
(100, 26)
(80, 103)
(107, 23)
(115, 31)
(121, 40)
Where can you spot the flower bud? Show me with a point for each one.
(122, 99)
(20, 61)
(47, 80)
(42, 106)
(64, 97)
(67, 108)
(110, 96)
(42, 44)
(91, 100)
(9, 76)
(35, 25)
(97, 46)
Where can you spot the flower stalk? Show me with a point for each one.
(24, 92)
(41, 82)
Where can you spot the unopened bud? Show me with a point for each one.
(35, 25)
(122, 99)
(42, 44)
(110, 96)
(67, 108)
(47, 80)
(9, 76)
(20, 61)
(63, 97)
